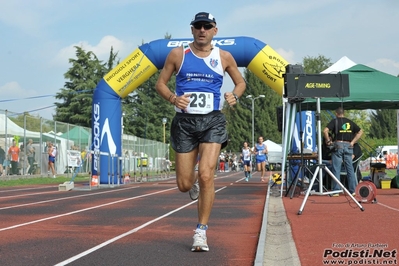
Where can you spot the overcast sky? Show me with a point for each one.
(37, 37)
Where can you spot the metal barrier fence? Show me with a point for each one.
(140, 157)
(129, 169)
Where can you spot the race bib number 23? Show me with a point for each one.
(200, 103)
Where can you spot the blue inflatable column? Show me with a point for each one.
(106, 133)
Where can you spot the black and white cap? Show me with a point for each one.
(203, 16)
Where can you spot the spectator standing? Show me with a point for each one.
(30, 152)
(83, 156)
(345, 134)
(22, 164)
(221, 162)
(13, 154)
(226, 162)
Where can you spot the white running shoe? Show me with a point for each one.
(199, 242)
(194, 191)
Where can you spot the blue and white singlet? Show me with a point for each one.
(246, 154)
(203, 79)
(260, 152)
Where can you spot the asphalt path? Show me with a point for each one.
(136, 224)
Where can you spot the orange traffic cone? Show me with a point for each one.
(94, 180)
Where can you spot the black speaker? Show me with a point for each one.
(316, 85)
(298, 85)
(294, 69)
(279, 112)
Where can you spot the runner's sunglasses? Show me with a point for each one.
(206, 26)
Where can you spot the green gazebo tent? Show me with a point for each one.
(368, 89)
(78, 135)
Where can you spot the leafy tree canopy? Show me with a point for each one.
(82, 78)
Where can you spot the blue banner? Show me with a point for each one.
(305, 122)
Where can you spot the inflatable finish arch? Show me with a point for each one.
(141, 64)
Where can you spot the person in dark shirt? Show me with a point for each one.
(345, 134)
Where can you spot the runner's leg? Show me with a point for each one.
(185, 169)
(209, 152)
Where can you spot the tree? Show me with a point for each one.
(84, 75)
(383, 124)
(239, 117)
(361, 118)
(31, 122)
(144, 110)
(315, 65)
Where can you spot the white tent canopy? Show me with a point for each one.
(275, 152)
(13, 129)
(340, 65)
(272, 146)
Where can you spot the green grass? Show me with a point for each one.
(390, 173)
(26, 181)
(44, 180)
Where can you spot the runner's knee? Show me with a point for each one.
(184, 184)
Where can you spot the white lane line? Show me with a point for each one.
(87, 252)
(83, 210)
(64, 198)
(389, 207)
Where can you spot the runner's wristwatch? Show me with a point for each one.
(235, 96)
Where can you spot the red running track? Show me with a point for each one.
(333, 229)
(135, 224)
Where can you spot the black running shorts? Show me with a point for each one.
(189, 130)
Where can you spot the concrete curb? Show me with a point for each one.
(276, 246)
